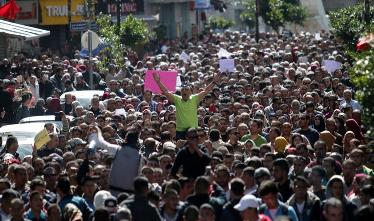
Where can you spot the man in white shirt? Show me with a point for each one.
(349, 101)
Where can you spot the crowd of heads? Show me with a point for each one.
(281, 128)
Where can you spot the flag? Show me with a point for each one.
(365, 43)
(9, 10)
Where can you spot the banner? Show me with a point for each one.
(168, 78)
(55, 12)
(227, 65)
(331, 65)
(41, 138)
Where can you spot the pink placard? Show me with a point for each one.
(168, 78)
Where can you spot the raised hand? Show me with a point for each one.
(156, 77)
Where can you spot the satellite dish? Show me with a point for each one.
(95, 40)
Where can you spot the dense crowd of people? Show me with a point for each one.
(279, 138)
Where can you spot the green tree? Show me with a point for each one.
(276, 13)
(107, 32)
(363, 77)
(248, 15)
(348, 25)
(219, 22)
(133, 32)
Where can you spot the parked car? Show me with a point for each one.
(84, 97)
(44, 119)
(25, 134)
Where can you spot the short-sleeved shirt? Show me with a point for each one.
(186, 112)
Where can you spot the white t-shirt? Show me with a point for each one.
(300, 207)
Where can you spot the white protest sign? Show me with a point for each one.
(119, 112)
(331, 65)
(184, 57)
(302, 60)
(179, 81)
(223, 53)
(317, 36)
(227, 65)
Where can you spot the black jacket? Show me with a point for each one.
(141, 209)
(193, 164)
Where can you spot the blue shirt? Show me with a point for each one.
(29, 215)
(280, 212)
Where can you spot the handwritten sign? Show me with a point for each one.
(185, 57)
(226, 65)
(119, 112)
(223, 53)
(168, 78)
(317, 36)
(331, 65)
(41, 138)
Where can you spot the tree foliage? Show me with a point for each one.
(219, 22)
(363, 77)
(107, 32)
(249, 14)
(133, 32)
(276, 13)
(348, 25)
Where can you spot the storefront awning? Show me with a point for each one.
(23, 31)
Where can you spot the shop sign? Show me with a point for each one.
(82, 26)
(55, 12)
(126, 6)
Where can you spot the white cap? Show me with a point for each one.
(100, 197)
(247, 201)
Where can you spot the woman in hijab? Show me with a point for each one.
(353, 126)
(328, 138)
(340, 125)
(53, 106)
(335, 188)
(11, 147)
(348, 136)
(319, 123)
(39, 109)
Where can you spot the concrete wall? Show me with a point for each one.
(332, 5)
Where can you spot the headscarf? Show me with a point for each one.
(280, 144)
(328, 138)
(322, 126)
(353, 126)
(54, 105)
(329, 183)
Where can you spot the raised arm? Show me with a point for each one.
(209, 88)
(162, 87)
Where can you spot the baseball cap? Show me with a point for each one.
(76, 141)
(110, 204)
(247, 201)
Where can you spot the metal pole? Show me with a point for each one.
(366, 11)
(256, 21)
(89, 11)
(118, 16)
(197, 22)
(69, 21)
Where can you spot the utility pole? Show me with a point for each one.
(367, 11)
(69, 21)
(256, 21)
(89, 10)
(118, 12)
